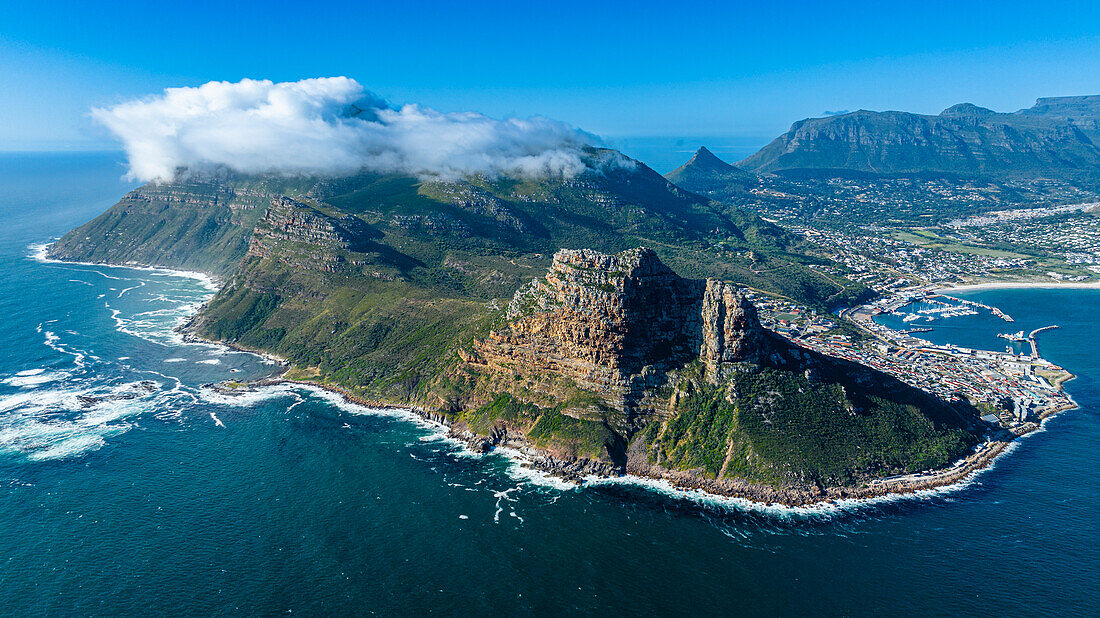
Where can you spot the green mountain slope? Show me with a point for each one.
(618, 360)
(708, 175)
(202, 226)
(373, 281)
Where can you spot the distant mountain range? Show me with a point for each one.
(1057, 137)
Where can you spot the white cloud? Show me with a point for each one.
(329, 126)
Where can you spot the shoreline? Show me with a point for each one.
(1023, 284)
(678, 484)
(210, 281)
(732, 492)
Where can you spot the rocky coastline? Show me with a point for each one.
(583, 470)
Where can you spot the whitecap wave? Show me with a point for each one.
(245, 398)
(25, 379)
(39, 252)
(520, 468)
(70, 421)
(157, 326)
(53, 342)
(69, 448)
(821, 509)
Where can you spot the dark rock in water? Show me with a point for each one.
(230, 387)
(135, 390)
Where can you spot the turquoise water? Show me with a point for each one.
(176, 501)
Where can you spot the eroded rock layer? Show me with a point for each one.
(318, 238)
(616, 324)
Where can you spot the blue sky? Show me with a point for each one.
(618, 69)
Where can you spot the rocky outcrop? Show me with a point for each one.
(1083, 112)
(479, 202)
(617, 324)
(301, 235)
(198, 194)
(731, 330)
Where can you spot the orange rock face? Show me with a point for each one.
(616, 324)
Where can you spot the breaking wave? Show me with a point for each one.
(58, 413)
(76, 401)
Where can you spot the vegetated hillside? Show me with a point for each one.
(397, 290)
(712, 177)
(1054, 138)
(615, 360)
(372, 281)
(195, 225)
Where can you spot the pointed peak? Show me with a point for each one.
(705, 167)
(704, 159)
(705, 156)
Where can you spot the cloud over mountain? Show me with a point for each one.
(328, 126)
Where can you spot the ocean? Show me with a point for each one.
(665, 154)
(127, 488)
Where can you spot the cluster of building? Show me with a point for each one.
(1012, 388)
(885, 263)
(837, 202)
(996, 217)
(788, 319)
(1072, 236)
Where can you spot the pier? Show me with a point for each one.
(1035, 344)
(994, 310)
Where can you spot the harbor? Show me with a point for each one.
(1014, 388)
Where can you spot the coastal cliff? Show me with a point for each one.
(202, 225)
(456, 298)
(615, 324)
(618, 361)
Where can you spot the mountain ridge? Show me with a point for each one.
(1054, 137)
(423, 292)
(372, 281)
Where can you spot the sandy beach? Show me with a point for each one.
(1001, 285)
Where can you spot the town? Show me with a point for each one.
(1013, 389)
(850, 202)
